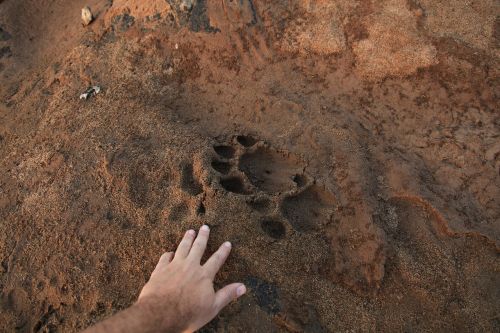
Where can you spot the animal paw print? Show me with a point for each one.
(190, 197)
(272, 178)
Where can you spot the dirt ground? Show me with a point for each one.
(350, 150)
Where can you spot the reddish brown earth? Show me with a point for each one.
(350, 150)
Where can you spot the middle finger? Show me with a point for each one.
(200, 244)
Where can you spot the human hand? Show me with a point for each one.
(181, 290)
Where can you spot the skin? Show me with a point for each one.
(180, 295)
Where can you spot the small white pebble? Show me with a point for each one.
(186, 5)
(87, 16)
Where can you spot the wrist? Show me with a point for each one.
(159, 318)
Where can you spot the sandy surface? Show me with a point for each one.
(350, 150)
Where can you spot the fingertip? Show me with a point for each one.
(227, 244)
(228, 294)
(205, 228)
(185, 244)
(241, 290)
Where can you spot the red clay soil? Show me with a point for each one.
(350, 150)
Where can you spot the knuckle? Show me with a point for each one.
(217, 257)
(197, 249)
(205, 274)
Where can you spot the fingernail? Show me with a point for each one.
(241, 290)
(191, 232)
(205, 227)
(227, 244)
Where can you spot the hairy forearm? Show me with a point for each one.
(140, 318)
(180, 295)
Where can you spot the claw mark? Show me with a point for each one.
(188, 181)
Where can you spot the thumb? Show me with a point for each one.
(227, 294)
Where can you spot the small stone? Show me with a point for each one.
(186, 5)
(91, 91)
(87, 16)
